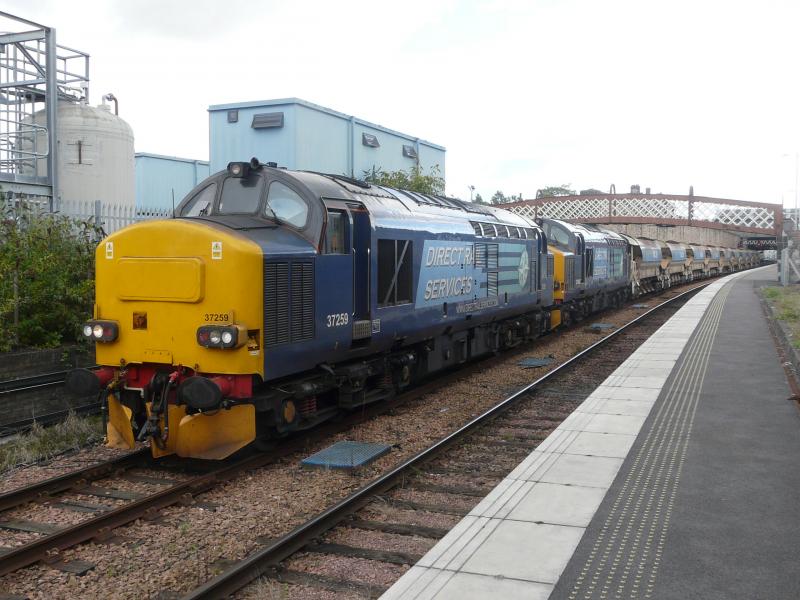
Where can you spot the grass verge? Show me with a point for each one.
(786, 304)
(42, 443)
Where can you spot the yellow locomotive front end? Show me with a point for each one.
(178, 321)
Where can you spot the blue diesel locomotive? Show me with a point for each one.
(275, 299)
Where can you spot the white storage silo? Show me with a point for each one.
(95, 158)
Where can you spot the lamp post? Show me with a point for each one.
(471, 192)
(796, 175)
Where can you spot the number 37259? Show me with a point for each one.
(337, 320)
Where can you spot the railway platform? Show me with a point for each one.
(677, 478)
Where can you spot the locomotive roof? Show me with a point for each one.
(375, 198)
(390, 208)
(589, 232)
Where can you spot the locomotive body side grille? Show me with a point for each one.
(491, 283)
(302, 301)
(569, 275)
(276, 303)
(288, 309)
(492, 256)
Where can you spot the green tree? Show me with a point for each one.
(414, 179)
(500, 198)
(46, 278)
(555, 190)
(479, 199)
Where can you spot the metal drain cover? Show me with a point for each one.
(346, 455)
(532, 362)
(601, 326)
(640, 306)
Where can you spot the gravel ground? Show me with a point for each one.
(377, 540)
(370, 572)
(29, 474)
(177, 552)
(379, 511)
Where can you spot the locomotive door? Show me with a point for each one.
(362, 234)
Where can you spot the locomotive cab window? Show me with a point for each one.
(240, 195)
(286, 205)
(201, 204)
(394, 272)
(336, 233)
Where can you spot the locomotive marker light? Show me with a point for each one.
(101, 331)
(216, 337)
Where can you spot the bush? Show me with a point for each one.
(413, 180)
(47, 273)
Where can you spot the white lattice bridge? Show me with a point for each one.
(657, 209)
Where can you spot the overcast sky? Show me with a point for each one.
(523, 94)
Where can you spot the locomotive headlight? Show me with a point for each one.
(215, 336)
(101, 331)
(239, 169)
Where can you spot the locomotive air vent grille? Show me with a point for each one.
(480, 256)
(302, 301)
(492, 256)
(550, 266)
(476, 227)
(362, 329)
(276, 303)
(491, 283)
(569, 276)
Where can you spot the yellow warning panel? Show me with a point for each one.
(216, 436)
(119, 431)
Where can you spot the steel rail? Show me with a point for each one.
(62, 483)
(268, 558)
(52, 418)
(99, 527)
(21, 384)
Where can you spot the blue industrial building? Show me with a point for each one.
(300, 135)
(159, 179)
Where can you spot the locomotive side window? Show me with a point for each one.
(589, 262)
(201, 204)
(286, 204)
(558, 236)
(335, 238)
(240, 195)
(394, 272)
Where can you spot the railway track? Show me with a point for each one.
(445, 480)
(23, 384)
(34, 383)
(80, 490)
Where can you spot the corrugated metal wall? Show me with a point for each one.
(157, 177)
